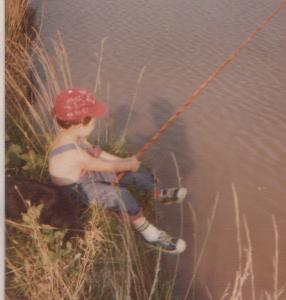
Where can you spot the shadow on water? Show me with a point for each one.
(120, 116)
(174, 140)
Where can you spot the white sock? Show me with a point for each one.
(148, 231)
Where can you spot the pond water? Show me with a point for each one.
(233, 133)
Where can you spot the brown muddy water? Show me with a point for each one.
(234, 132)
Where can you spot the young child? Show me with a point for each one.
(86, 172)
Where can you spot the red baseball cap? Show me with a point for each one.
(75, 104)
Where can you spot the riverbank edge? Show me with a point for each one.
(30, 219)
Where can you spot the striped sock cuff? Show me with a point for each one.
(143, 226)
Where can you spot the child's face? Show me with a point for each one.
(85, 130)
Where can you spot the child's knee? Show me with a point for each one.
(132, 207)
(145, 180)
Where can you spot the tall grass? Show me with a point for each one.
(110, 262)
(243, 286)
(17, 19)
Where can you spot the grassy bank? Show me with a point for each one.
(110, 262)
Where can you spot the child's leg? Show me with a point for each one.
(121, 200)
(141, 179)
(158, 237)
(149, 232)
(145, 180)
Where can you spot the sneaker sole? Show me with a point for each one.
(181, 247)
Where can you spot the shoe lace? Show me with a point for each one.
(164, 237)
(169, 193)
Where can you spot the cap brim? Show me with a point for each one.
(99, 110)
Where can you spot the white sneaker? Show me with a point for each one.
(170, 244)
(172, 195)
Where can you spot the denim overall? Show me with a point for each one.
(96, 187)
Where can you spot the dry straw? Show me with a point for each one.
(110, 262)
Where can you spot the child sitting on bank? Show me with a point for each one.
(87, 172)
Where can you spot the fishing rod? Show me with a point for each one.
(189, 101)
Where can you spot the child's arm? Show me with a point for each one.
(96, 151)
(108, 156)
(90, 163)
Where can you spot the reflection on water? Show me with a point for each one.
(235, 132)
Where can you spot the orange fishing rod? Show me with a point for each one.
(188, 102)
